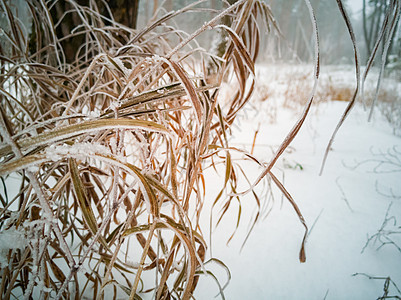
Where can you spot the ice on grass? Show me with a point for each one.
(93, 115)
(11, 239)
(162, 91)
(153, 59)
(79, 150)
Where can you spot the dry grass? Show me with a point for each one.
(291, 85)
(109, 151)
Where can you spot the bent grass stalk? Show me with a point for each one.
(128, 113)
(113, 145)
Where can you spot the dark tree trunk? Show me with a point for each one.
(222, 43)
(123, 11)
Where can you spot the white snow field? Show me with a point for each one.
(343, 207)
(358, 196)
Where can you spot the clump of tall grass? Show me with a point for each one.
(109, 149)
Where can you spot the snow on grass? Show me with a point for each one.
(10, 239)
(343, 208)
(350, 210)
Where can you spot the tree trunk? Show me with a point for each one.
(147, 10)
(220, 49)
(124, 12)
(213, 4)
(155, 6)
(365, 29)
(169, 5)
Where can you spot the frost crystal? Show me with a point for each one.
(93, 115)
(120, 63)
(114, 106)
(156, 58)
(132, 264)
(80, 150)
(11, 239)
(151, 60)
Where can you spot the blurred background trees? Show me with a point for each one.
(295, 43)
(374, 14)
(294, 21)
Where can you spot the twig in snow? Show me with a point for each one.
(343, 194)
(387, 281)
(383, 235)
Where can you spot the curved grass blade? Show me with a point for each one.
(302, 256)
(82, 198)
(72, 131)
(357, 74)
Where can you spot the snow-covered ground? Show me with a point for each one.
(359, 188)
(343, 207)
